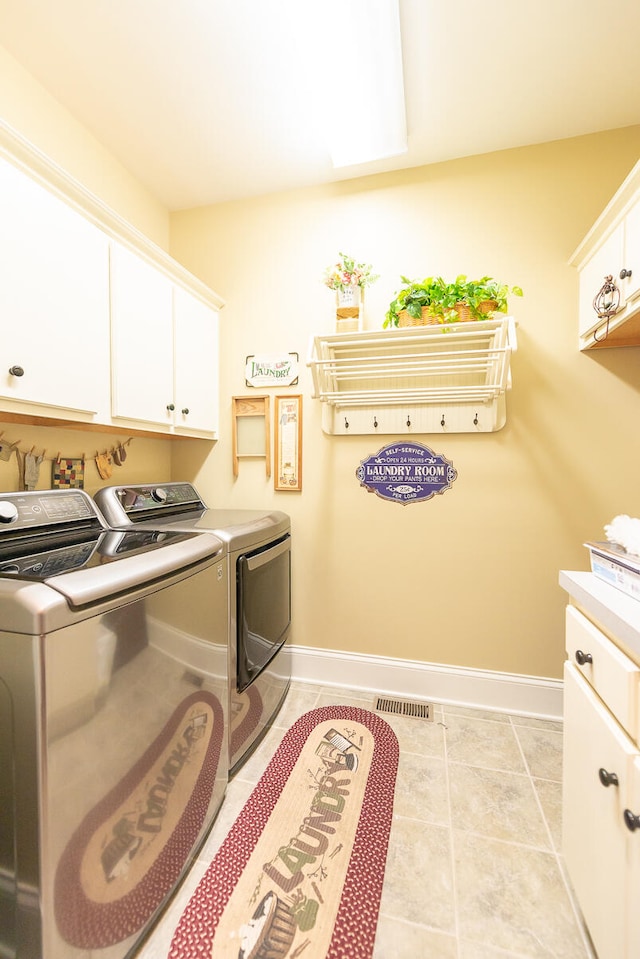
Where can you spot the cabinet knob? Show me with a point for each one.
(16, 371)
(606, 778)
(583, 658)
(624, 273)
(186, 410)
(631, 822)
(170, 407)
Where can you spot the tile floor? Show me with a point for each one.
(474, 869)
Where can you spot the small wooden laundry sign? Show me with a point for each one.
(406, 473)
(272, 370)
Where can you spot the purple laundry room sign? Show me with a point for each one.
(406, 473)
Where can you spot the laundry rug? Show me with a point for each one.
(301, 870)
(127, 854)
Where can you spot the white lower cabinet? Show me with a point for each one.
(54, 304)
(594, 835)
(601, 787)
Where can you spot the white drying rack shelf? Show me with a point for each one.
(421, 379)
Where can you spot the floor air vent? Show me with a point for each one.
(402, 707)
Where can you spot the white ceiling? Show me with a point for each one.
(211, 100)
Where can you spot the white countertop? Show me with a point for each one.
(617, 613)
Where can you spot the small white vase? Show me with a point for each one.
(349, 297)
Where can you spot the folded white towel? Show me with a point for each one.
(625, 532)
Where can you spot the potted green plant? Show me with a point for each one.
(487, 295)
(435, 300)
(415, 303)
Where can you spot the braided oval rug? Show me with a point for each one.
(300, 873)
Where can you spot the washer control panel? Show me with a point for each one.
(128, 503)
(33, 510)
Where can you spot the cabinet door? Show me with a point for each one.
(54, 300)
(594, 837)
(633, 864)
(141, 339)
(196, 364)
(608, 259)
(631, 284)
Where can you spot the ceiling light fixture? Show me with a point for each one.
(367, 119)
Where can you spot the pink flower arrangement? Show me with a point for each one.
(347, 273)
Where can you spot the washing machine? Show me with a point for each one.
(258, 544)
(113, 722)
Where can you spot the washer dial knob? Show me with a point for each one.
(8, 512)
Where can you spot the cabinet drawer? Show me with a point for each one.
(613, 676)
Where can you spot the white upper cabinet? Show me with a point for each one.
(99, 324)
(54, 304)
(164, 350)
(196, 364)
(141, 340)
(612, 249)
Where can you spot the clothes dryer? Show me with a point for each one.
(258, 544)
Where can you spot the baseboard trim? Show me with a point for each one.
(531, 696)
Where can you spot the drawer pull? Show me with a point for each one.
(607, 779)
(583, 658)
(631, 822)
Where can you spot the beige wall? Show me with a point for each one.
(146, 458)
(36, 115)
(470, 577)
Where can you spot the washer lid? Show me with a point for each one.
(90, 569)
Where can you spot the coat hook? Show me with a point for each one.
(475, 420)
(442, 421)
(346, 423)
(408, 421)
(375, 421)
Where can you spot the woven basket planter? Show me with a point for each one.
(487, 306)
(465, 314)
(405, 319)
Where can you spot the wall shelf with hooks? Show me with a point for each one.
(421, 379)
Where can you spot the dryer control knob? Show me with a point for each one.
(8, 512)
(159, 495)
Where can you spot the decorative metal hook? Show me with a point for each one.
(408, 420)
(375, 421)
(346, 423)
(475, 420)
(606, 302)
(442, 421)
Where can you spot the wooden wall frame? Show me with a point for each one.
(245, 406)
(288, 443)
